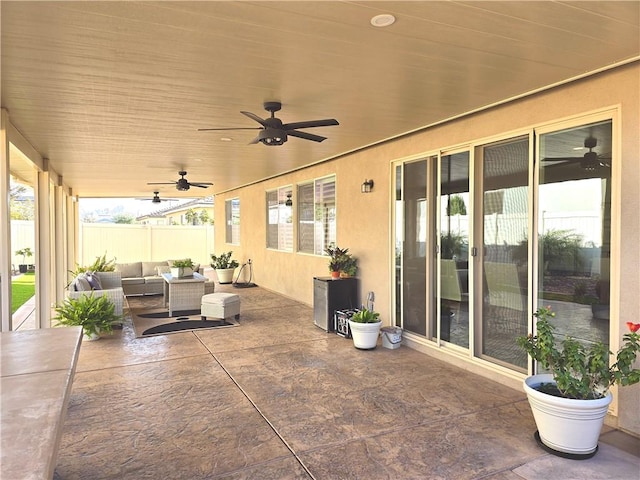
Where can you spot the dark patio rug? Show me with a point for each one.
(158, 322)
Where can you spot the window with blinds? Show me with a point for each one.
(280, 219)
(317, 215)
(232, 220)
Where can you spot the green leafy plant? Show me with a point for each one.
(451, 244)
(184, 263)
(581, 372)
(338, 257)
(350, 266)
(365, 316)
(24, 252)
(223, 261)
(100, 264)
(95, 314)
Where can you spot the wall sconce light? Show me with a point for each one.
(367, 186)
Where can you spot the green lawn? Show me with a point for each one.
(22, 289)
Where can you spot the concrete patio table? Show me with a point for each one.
(183, 293)
(37, 367)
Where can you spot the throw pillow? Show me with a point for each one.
(94, 281)
(82, 284)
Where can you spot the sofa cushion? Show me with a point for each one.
(149, 268)
(133, 281)
(94, 281)
(129, 270)
(163, 269)
(153, 279)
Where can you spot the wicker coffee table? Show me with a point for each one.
(183, 293)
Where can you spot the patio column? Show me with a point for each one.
(5, 226)
(44, 250)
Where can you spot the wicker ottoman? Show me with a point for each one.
(220, 305)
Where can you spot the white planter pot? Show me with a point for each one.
(92, 337)
(225, 275)
(180, 272)
(566, 425)
(365, 335)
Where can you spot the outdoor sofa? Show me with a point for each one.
(145, 278)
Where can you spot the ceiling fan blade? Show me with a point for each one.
(310, 124)
(254, 141)
(201, 185)
(253, 116)
(231, 128)
(161, 183)
(563, 159)
(306, 136)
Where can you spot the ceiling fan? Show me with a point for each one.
(156, 198)
(273, 132)
(590, 161)
(182, 184)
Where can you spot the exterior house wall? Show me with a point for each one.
(363, 220)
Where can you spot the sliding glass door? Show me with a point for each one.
(503, 220)
(453, 241)
(484, 234)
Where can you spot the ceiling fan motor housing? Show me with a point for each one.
(271, 136)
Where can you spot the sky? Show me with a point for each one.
(129, 206)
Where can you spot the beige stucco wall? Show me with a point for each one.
(364, 220)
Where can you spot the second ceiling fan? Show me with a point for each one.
(273, 132)
(182, 184)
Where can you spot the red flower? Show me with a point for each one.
(634, 327)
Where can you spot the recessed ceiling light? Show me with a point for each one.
(225, 139)
(383, 20)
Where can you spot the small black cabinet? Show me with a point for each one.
(330, 295)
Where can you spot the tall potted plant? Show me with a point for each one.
(94, 313)
(338, 259)
(365, 328)
(24, 252)
(570, 403)
(224, 266)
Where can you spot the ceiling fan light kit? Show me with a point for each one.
(274, 133)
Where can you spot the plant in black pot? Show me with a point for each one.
(24, 252)
(224, 266)
(570, 403)
(94, 313)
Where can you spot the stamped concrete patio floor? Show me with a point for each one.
(278, 398)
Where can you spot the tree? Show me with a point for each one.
(123, 218)
(191, 216)
(204, 217)
(456, 206)
(20, 206)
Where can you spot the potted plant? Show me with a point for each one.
(182, 268)
(224, 266)
(570, 403)
(365, 328)
(94, 313)
(338, 258)
(350, 266)
(24, 252)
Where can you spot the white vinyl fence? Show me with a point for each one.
(134, 243)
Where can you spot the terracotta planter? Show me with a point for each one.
(335, 275)
(566, 426)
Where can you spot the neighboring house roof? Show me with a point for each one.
(206, 202)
